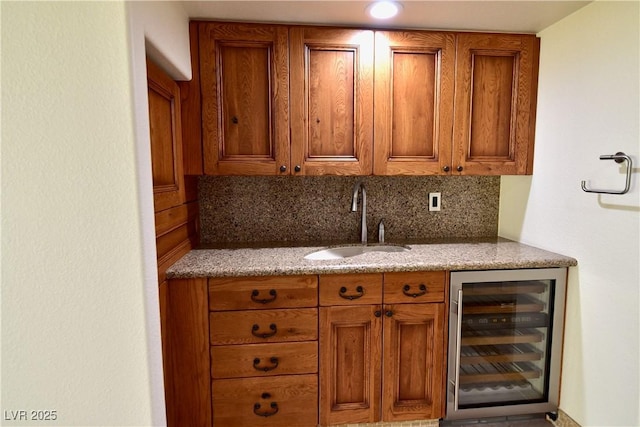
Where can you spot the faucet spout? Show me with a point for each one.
(359, 187)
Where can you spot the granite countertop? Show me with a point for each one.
(487, 254)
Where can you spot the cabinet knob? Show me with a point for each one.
(297, 168)
(446, 168)
(388, 313)
(283, 168)
(377, 313)
(459, 168)
(234, 120)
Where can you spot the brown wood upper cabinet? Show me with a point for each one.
(495, 104)
(166, 139)
(331, 100)
(244, 75)
(363, 102)
(413, 102)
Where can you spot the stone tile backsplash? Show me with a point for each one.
(317, 209)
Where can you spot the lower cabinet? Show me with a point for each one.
(379, 361)
(298, 351)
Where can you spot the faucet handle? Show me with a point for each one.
(381, 231)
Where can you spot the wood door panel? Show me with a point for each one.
(283, 401)
(244, 78)
(413, 115)
(166, 139)
(263, 326)
(251, 293)
(491, 107)
(331, 103)
(259, 360)
(350, 355)
(331, 100)
(496, 85)
(413, 104)
(245, 99)
(414, 353)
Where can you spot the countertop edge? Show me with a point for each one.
(500, 255)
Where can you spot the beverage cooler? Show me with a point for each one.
(505, 342)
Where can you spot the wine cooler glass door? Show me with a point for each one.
(504, 330)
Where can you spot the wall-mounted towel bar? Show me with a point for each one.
(619, 157)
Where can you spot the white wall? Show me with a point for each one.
(588, 105)
(80, 328)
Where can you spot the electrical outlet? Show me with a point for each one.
(434, 202)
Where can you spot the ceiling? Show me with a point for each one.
(481, 15)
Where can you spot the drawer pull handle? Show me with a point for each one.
(255, 293)
(274, 364)
(274, 410)
(407, 288)
(359, 290)
(255, 333)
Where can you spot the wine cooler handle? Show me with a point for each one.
(456, 390)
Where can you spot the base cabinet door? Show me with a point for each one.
(350, 356)
(413, 352)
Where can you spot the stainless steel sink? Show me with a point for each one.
(341, 252)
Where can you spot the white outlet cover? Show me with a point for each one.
(434, 202)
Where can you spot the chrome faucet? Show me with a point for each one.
(354, 207)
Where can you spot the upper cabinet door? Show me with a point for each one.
(496, 86)
(413, 115)
(166, 139)
(331, 101)
(245, 96)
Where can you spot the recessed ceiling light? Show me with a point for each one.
(384, 9)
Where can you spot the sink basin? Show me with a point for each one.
(341, 252)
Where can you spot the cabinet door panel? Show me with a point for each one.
(331, 103)
(245, 95)
(245, 100)
(413, 362)
(496, 85)
(166, 139)
(413, 102)
(331, 100)
(350, 355)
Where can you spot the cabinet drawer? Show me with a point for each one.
(427, 286)
(262, 326)
(350, 289)
(280, 401)
(248, 293)
(259, 360)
